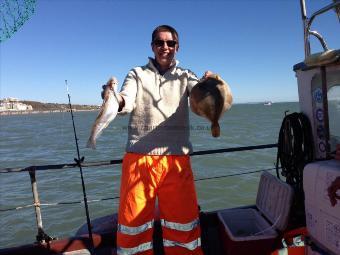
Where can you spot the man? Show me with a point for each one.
(157, 162)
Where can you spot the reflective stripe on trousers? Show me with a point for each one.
(131, 251)
(190, 246)
(167, 243)
(135, 230)
(180, 227)
(170, 179)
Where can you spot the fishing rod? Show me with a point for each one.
(79, 161)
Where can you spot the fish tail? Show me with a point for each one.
(215, 129)
(91, 143)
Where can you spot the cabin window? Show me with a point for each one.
(333, 96)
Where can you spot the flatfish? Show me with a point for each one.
(210, 98)
(107, 113)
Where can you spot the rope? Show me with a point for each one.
(113, 198)
(119, 161)
(295, 150)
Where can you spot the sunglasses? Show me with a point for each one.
(170, 43)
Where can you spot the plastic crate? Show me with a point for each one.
(246, 230)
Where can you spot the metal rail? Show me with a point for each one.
(117, 197)
(307, 23)
(119, 161)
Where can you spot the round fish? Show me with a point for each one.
(107, 113)
(210, 98)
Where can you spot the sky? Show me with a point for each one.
(253, 45)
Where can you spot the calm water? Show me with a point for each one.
(48, 139)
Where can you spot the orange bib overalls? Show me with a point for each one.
(170, 179)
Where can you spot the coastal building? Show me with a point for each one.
(14, 104)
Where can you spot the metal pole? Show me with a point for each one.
(36, 198)
(305, 28)
(41, 237)
(303, 9)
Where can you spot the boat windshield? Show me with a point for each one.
(334, 114)
(333, 97)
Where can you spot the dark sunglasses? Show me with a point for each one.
(170, 43)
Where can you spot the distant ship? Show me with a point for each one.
(268, 103)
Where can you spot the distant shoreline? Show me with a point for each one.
(12, 107)
(6, 113)
(43, 108)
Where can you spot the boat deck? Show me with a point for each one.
(211, 242)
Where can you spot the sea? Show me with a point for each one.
(48, 138)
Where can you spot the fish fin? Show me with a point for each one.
(215, 129)
(91, 143)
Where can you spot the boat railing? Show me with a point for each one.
(119, 161)
(307, 24)
(42, 236)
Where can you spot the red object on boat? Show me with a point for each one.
(257, 230)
